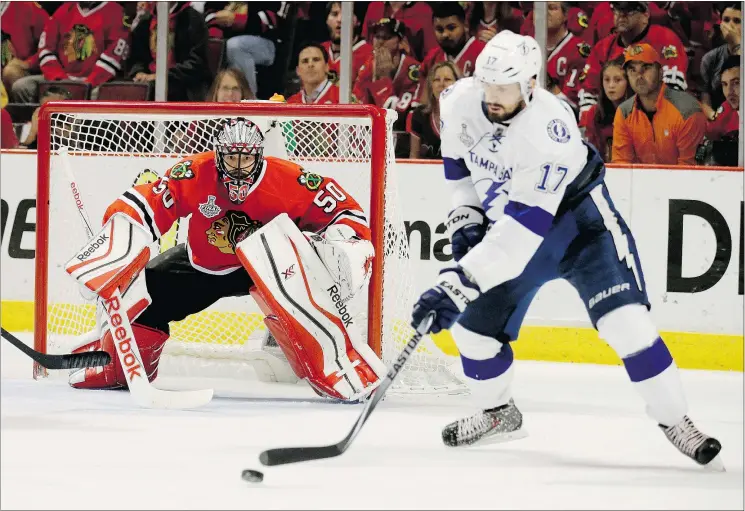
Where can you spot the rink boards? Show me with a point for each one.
(688, 225)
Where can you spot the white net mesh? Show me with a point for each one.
(111, 151)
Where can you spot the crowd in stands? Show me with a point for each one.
(650, 82)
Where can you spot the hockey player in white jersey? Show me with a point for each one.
(530, 205)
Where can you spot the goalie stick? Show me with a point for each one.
(142, 392)
(71, 361)
(285, 455)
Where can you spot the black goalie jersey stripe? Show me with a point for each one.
(355, 216)
(136, 203)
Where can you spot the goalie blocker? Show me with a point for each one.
(306, 314)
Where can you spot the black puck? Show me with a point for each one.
(252, 476)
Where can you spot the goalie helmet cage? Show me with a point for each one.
(111, 146)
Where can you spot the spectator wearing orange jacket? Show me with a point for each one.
(657, 124)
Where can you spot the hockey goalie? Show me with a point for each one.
(297, 242)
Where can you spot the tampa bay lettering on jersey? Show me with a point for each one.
(499, 171)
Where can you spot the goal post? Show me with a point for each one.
(112, 145)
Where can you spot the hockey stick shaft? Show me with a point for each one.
(72, 361)
(285, 455)
(120, 327)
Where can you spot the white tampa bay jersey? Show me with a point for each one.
(517, 172)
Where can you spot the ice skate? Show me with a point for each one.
(698, 446)
(495, 425)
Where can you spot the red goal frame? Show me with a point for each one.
(376, 215)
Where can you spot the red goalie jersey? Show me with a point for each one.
(217, 225)
(84, 43)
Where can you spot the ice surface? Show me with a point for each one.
(590, 446)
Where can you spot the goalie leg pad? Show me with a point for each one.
(112, 376)
(293, 290)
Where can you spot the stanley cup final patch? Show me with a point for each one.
(209, 209)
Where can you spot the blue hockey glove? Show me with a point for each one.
(467, 227)
(447, 299)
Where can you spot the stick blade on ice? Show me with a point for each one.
(285, 455)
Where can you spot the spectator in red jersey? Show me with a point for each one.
(250, 30)
(487, 19)
(83, 41)
(632, 26)
(597, 122)
(567, 53)
(577, 22)
(455, 43)
(312, 68)
(724, 128)
(416, 17)
(188, 74)
(602, 21)
(390, 77)
(423, 123)
(22, 25)
(712, 62)
(361, 49)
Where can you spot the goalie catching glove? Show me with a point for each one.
(347, 258)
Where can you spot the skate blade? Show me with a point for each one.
(715, 465)
(501, 438)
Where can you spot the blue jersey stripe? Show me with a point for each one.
(455, 169)
(533, 218)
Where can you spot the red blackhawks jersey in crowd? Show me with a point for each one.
(84, 43)
(22, 24)
(577, 23)
(465, 61)
(217, 225)
(361, 51)
(397, 93)
(726, 123)
(668, 46)
(565, 64)
(416, 17)
(328, 94)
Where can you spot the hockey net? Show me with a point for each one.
(112, 146)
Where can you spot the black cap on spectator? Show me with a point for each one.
(390, 26)
(630, 6)
(447, 9)
(730, 62)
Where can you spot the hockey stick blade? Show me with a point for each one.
(287, 455)
(71, 361)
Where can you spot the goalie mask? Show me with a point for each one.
(239, 156)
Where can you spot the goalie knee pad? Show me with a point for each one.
(294, 290)
(150, 342)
